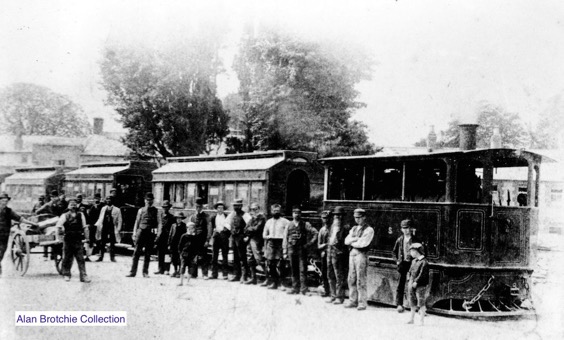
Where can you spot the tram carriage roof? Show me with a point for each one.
(106, 170)
(505, 155)
(250, 166)
(34, 175)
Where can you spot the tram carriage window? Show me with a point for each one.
(213, 194)
(257, 193)
(345, 183)
(243, 192)
(470, 175)
(229, 193)
(384, 183)
(190, 195)
(203, 191)
(425, 181)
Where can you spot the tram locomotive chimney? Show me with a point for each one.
(467, 136)
(432, 139)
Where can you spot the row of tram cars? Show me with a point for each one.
(480, 247)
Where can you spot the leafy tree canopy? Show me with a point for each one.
(549, 131)
(490, 116)
(295, 94)
(166, 97)
(30, 109)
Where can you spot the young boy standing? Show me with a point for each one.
(176, 231)
(188, 249)
(403, 258)
(418, 281)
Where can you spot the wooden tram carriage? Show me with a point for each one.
(480, 245)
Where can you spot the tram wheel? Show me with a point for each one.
(20, 252)
(58, 258)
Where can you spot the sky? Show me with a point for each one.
(435, 59)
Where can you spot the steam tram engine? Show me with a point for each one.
(479, 239)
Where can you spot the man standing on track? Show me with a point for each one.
(147, 223)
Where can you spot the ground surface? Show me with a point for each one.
(158, 309)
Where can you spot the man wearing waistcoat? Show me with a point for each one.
(273, 234)
(359, 239)
(161, 241)
(108, 228)
(75, 228)
(202, 236)
(147, 223)
(220, 237)
(237, 221)
(253, 237)
(299, 236)
(403, 259)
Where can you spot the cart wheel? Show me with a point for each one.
(58, 257)
(20, 253)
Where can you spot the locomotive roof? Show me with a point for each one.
(504, 153)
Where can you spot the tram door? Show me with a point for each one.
(297, 190)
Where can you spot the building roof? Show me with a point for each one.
(94, 145)
(220, 165)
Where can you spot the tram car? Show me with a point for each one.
(131, 179)
(285, 177)
(480, 244)
(27, 184)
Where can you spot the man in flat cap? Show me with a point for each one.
(253, 237)
(418, 281)
(220, 240)
(237, 221)
(337, 256)
(39, 204)
(403, 258)
(359, 239)
(108, 228)
(147, 223)
(202, 237)
(176, 231)
(7, 215)
(161, 242)
(299, 236)
(52, 207)
(322, 240)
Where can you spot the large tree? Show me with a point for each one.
(297, 94)
(549, 131)
(30, 109)
(490, 116)
(166, 98)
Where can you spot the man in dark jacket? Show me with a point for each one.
(253, 237)
(53, 207)
(237, 221)
(7, 215)
(92, 216)
(202, 233)
(161, 242)
(403, 258)
(39, 204)
(147, 223)
(220, 240)
(322, 242)
(337, 256)
(299, 236)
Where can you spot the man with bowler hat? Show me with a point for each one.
(237, 221)
(359, 239)
(403, 258)
(161, 242)
(299, 236)
(220, 239)
(337, 256)
(202, 236)
(7, 215)
(92, 216)
(147, 223)
(108, 228)
(39, 204)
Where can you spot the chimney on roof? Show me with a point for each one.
(495, 141)
(432, 139)
(98, 126)
(18, 142)
(467, 136)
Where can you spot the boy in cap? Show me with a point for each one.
(359, 239)
(418, 281)
(403, 258)
(176, 231)
(188, 249)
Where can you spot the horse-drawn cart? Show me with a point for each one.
(24, 238)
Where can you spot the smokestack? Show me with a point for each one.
(467, 136)
(432, 139)
(98, 126)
